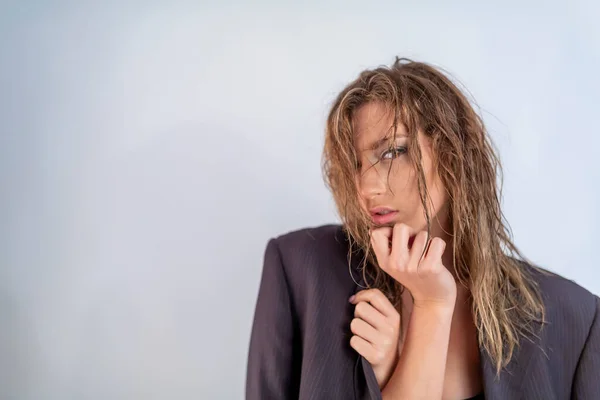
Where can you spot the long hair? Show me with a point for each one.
(505, 298)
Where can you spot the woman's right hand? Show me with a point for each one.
(428, 280)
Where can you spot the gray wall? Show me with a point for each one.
(148, 152)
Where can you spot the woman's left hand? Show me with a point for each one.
(376, 329)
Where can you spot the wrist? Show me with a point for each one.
(438, 307)
(383, 373)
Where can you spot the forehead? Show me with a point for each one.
(374, 122)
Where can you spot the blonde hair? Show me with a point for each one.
(505, 299)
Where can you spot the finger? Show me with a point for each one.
(370, 315)
(365, 331)
(363, 348)
(377, 299)
(418, 249)
(380, 238)
(435, 251)
(400, 249)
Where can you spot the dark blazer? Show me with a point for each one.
(299, 346)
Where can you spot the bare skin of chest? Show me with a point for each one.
(463, 376)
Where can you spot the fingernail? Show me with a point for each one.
(351, 299)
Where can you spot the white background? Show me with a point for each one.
(149, 150)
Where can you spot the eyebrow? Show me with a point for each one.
(384, 140)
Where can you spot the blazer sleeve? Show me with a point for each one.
(272, 370)
(586, 384)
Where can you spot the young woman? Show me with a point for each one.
(420, 293)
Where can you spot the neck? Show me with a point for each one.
(441, 228)
(445, 235)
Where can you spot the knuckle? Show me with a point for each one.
(401, 226)
(393, 327)
(400, 261)
(434, 266)
(415, 268)
(389, 332)
(438, 242)
(359, 309)
(385, 266)
(378, 295)
(425, 270)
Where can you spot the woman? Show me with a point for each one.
(420, 294)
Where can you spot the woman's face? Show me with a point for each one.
(386, 179)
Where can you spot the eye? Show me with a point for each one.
(393, 153)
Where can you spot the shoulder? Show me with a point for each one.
(311, 234)
(310, 242)
(567, 303)
(314, 258)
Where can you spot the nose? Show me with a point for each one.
(370, 183)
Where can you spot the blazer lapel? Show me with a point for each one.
(525, 372)
(372, 385)
(373, 391)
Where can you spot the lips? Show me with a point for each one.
(383, 215)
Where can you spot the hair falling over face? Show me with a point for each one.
(505, 301)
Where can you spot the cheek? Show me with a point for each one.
(403, 181)
(361, 202)
(439, 196)
(406, 194)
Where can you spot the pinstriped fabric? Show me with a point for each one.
(299, 345)
(274, 359)
(586, 384)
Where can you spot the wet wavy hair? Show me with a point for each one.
(505, 298)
